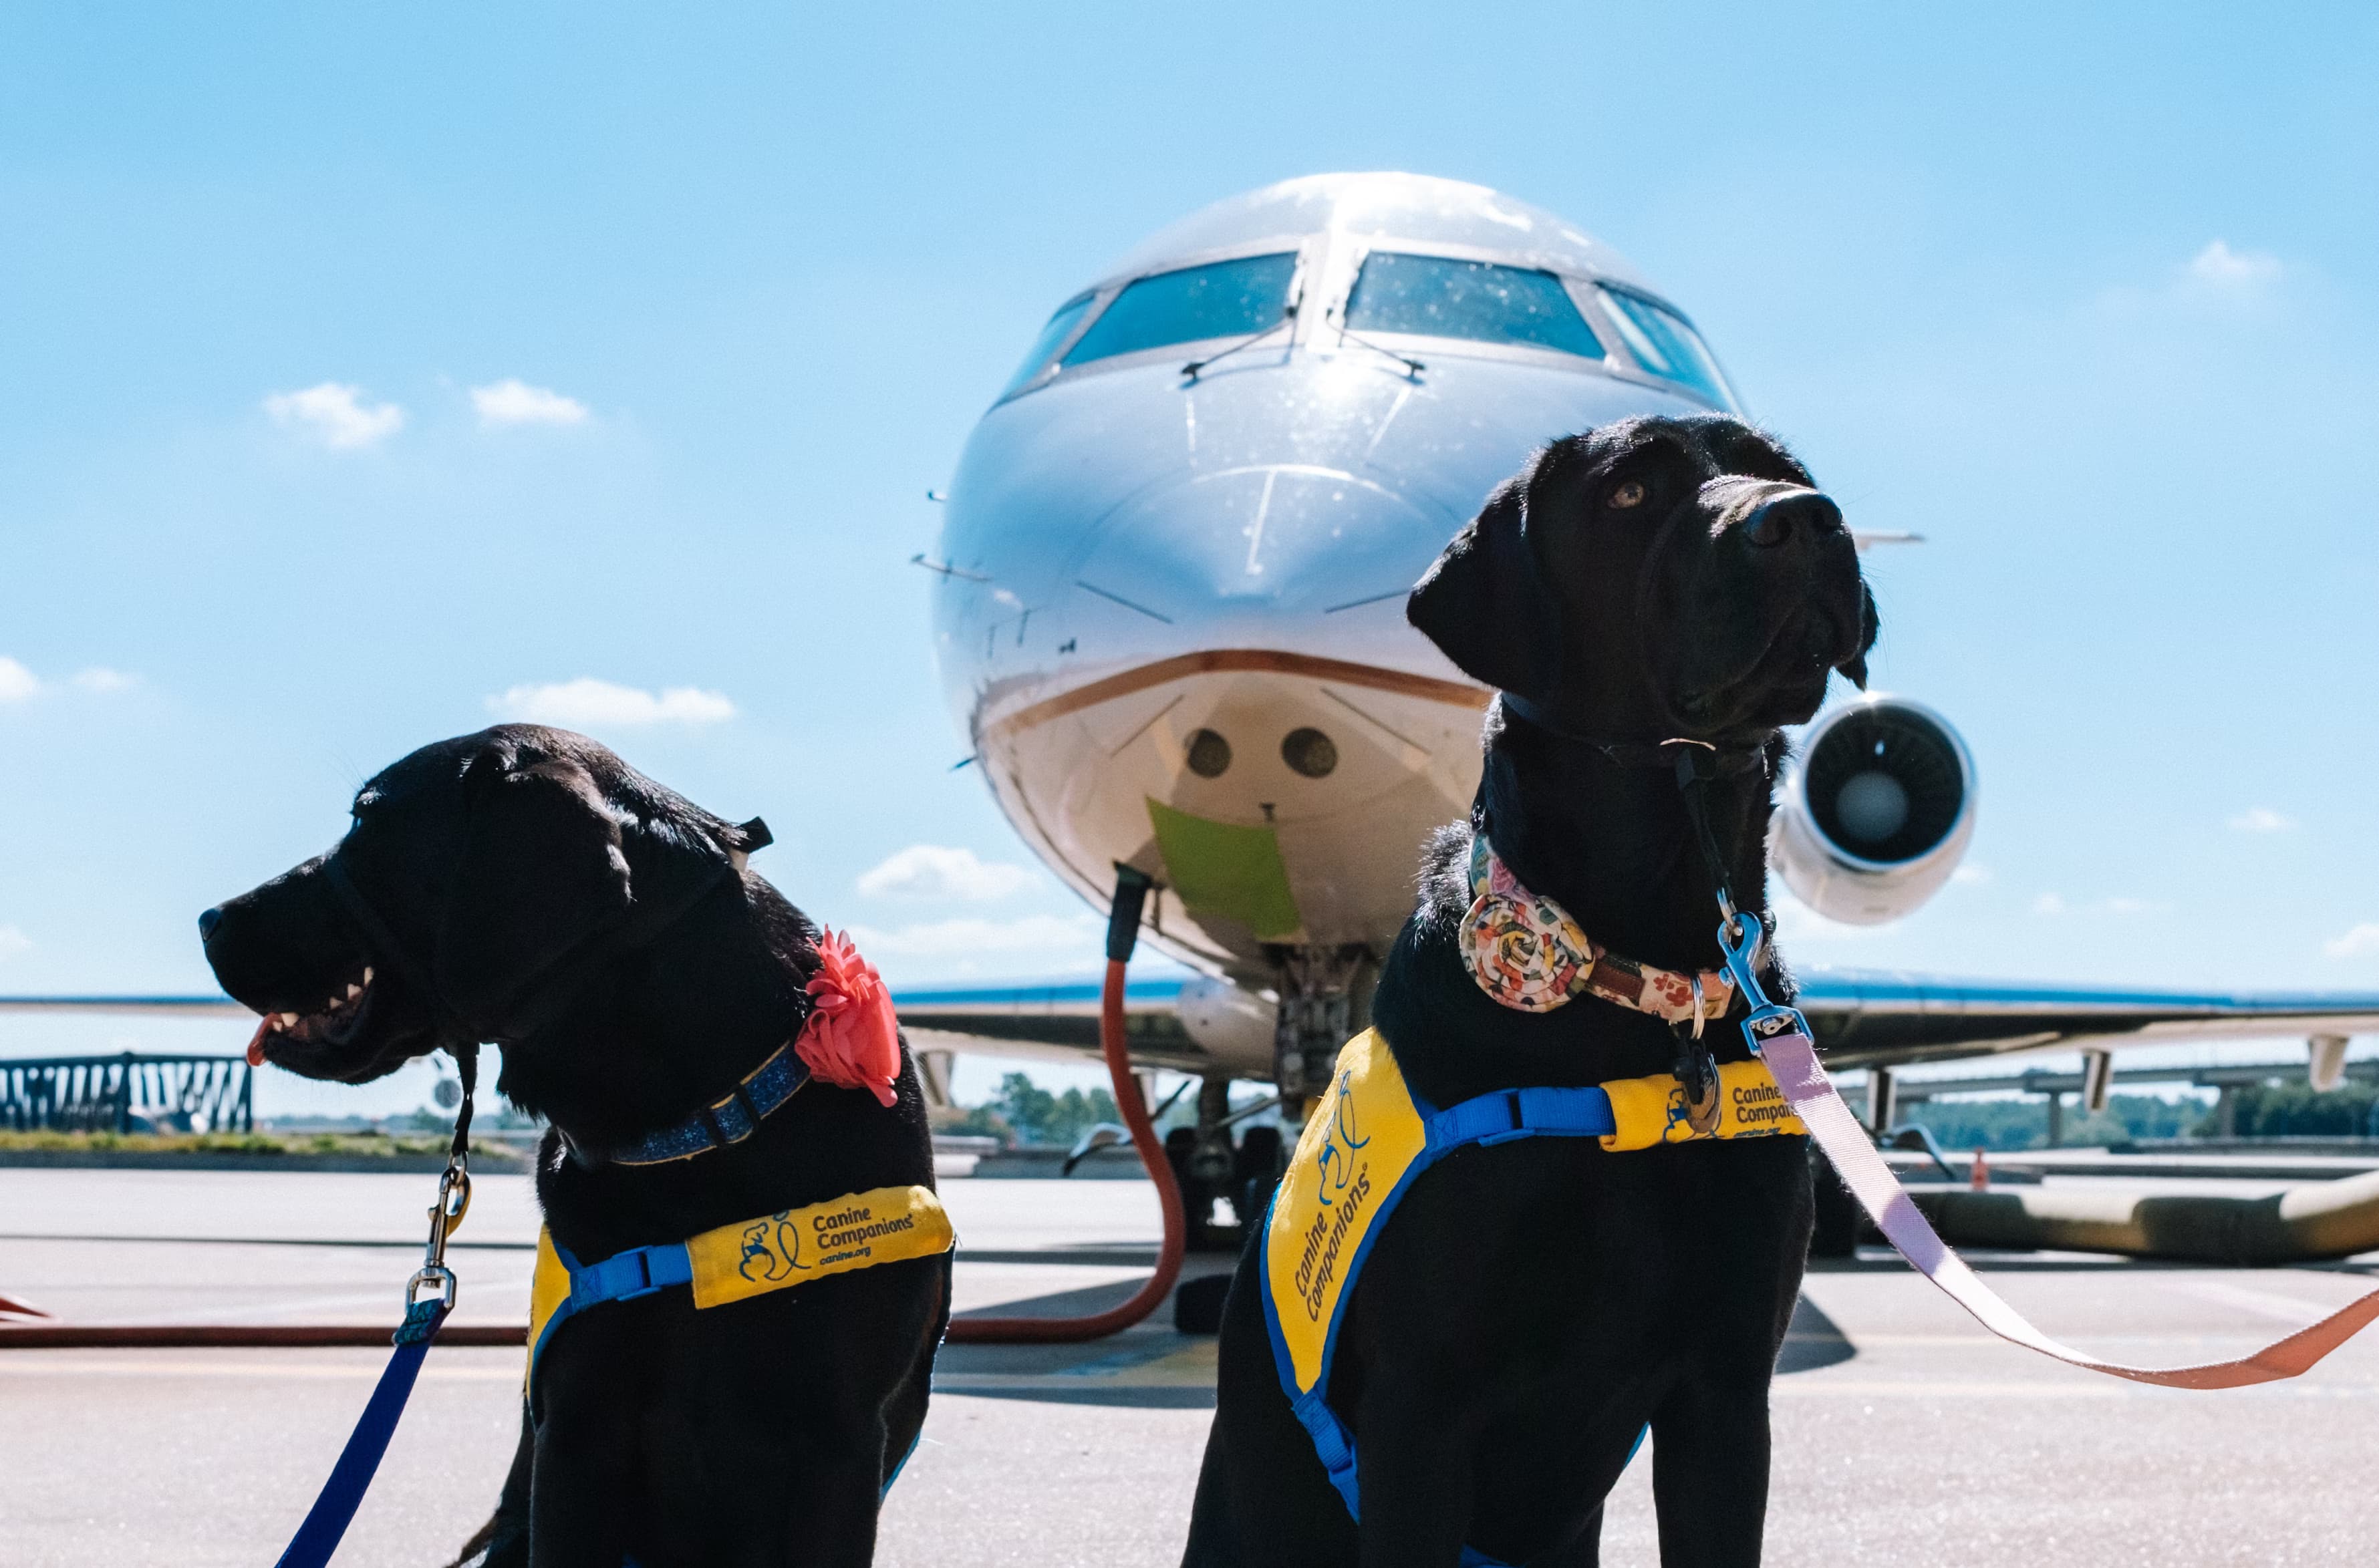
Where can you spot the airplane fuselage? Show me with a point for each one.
(1171, 614)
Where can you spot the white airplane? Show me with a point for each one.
(1170, 621)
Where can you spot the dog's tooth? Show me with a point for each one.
(288, 1020)
(366, 974)
(354, 991)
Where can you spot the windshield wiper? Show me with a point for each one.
(1195, 366)
(1413, 368)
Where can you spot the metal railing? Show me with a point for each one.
(116, 1093)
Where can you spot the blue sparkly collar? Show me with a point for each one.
(731, 1119)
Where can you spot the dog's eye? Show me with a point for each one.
(1625, 494)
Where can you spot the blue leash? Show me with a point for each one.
(327, 1520)
(334, 1507)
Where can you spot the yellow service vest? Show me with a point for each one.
(749, 1258)
(1363, 1147)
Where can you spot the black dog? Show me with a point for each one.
(524, 885)
(1532, 1306)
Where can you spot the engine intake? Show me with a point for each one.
(1878, 813)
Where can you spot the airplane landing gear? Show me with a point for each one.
(1317, 1015)
(1209, 1166)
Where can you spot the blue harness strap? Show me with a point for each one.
(1500, 1117)
(335, 1508)
(623, 1276)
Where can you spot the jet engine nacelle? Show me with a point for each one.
(1234, 1026)
(1877, 812)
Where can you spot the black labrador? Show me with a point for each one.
(1533, 1306)
(524, 885)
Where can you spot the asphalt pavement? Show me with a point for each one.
(1903, 1432)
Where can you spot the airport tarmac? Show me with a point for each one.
(1903, 1432)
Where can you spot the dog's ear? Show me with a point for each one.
(1854, 666)
(541, 870)
(1486, 604)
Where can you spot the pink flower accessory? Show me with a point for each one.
(850, 1039)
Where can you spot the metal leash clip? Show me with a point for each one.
(453, 1202)
(1740, 937)
(1696, 1069)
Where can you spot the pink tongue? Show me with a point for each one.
(255, 1042)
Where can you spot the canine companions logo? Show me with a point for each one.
(1345, 1185)
(1338, 1157)
(774, 1247)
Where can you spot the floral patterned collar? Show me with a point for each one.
(1525, 951)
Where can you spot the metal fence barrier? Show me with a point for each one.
(126, 1092)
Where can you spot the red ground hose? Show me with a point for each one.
(1151, 1295)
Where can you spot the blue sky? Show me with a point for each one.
(645, 332)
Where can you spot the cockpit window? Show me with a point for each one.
(1222, 299)
(1446, 298)
(1047, 344)
(1665, 345)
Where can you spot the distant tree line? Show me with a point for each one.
(1023, 1111)
(2295, 1110)
(2260, 1110)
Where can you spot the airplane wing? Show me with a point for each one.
(1862, 1017)
(1059, 1020)
(1049, 1019)
(143, 1006)
(1866, 1017)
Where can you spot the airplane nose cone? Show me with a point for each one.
(1275, 538)
(208, 921)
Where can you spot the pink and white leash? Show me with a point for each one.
(1779, 1036)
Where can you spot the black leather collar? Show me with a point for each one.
(1641, 754)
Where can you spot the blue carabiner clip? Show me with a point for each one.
(1767, 1019)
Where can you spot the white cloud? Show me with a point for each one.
(589, 702)
(934, 871)
(2048, 904)
(335, 413)
(2132, 906)
(18, 683)
(1971, 874)
(2219, 266)
(2360, 942)
(1060, 941)
(2260, 819)
(514, 402)
(12, 940)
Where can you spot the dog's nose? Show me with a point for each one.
(1807, 513)
(208, 921)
